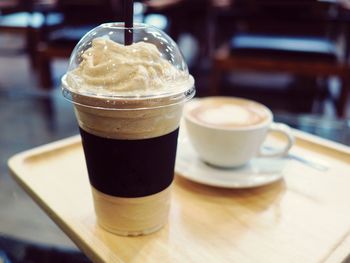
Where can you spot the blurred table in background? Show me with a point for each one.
(333, 129)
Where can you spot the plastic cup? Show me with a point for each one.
(129, 137)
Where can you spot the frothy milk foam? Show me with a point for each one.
(228, 112)
(107, 69)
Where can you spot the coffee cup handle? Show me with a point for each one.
(284, 130)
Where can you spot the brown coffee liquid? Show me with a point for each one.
(130, 168)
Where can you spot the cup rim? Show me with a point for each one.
(119, 102)
(263, 124)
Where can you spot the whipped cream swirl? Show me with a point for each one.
(109, 68)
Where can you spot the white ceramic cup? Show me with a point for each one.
(233, 146)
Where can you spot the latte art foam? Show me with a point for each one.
(229, 112)
(225, 115)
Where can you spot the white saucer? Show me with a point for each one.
(258, 172)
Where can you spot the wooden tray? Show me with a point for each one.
(303, 218)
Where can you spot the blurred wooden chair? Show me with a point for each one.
(26, 17)
(79, 17)
(296, 37)
(185, 16)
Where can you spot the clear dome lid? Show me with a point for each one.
(103, 70)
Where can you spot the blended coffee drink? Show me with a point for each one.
(128, 101)
(228, 113)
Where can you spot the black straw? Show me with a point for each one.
(128, 19)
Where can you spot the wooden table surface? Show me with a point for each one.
(303, 218)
